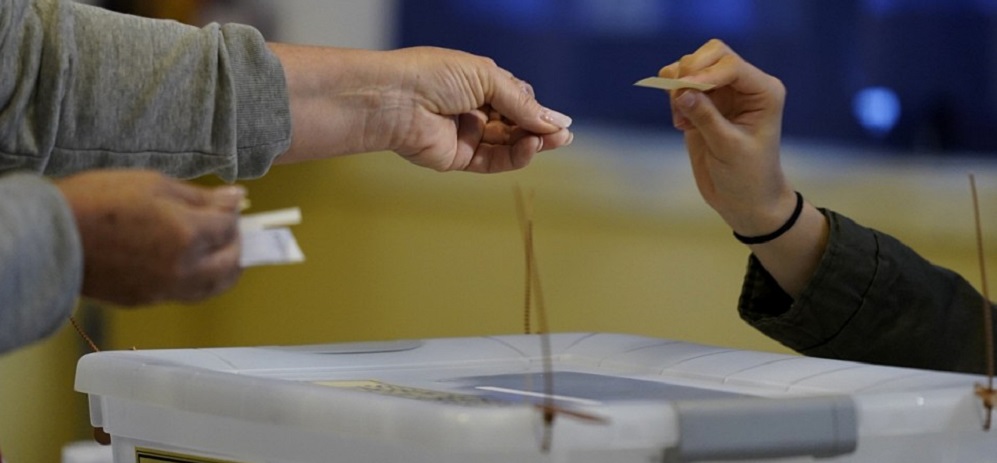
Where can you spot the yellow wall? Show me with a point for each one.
(38, 409)
(624, 245)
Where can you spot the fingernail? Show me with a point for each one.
(556, 118)
(230, 196)
(231, 191)
(571, 138)
(540, 146)
(685, 100)
(680, 123)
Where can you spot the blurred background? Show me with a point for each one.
(890, 104)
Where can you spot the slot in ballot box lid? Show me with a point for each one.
(473, 399)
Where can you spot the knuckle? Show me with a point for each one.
(487, 62)
(779, 87)
(669, 70)
(525, 98)
(185, 237)
(731, 60)
(686, 60)
(717, 43)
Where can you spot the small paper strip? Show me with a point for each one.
(664, 83)
(278, 218)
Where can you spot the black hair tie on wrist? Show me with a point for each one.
(783, 229)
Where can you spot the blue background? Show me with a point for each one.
(938, 58)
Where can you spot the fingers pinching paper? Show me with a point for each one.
(665, 83)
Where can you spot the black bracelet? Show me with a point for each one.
(783, 229)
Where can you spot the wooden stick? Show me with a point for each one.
(986, 393)
(93, 345)
(533, 292)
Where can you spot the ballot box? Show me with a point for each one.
(484, 399)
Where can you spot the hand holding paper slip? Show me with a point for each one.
(267, 240)
(664, 83)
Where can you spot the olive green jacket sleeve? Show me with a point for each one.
(872, 299)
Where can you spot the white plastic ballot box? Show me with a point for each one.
(475, 400)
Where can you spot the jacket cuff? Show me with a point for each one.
(844, 275)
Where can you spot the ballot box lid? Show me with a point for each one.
(484, 397)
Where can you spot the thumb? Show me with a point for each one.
(697, 108)
(514, 99)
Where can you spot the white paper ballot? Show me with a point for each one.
(271, 219)
(664, 83)
(266, 239)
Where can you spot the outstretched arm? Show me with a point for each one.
(438, 108)
(828, 286)
(732, 133)
(86, 88)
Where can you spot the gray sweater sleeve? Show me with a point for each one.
(41, 269)
(83, 88)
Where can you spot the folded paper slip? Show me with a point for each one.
(266, 239)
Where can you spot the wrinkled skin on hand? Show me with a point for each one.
(463, 112)
(149, 238)
(438, 108)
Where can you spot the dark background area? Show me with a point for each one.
(934, 58)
